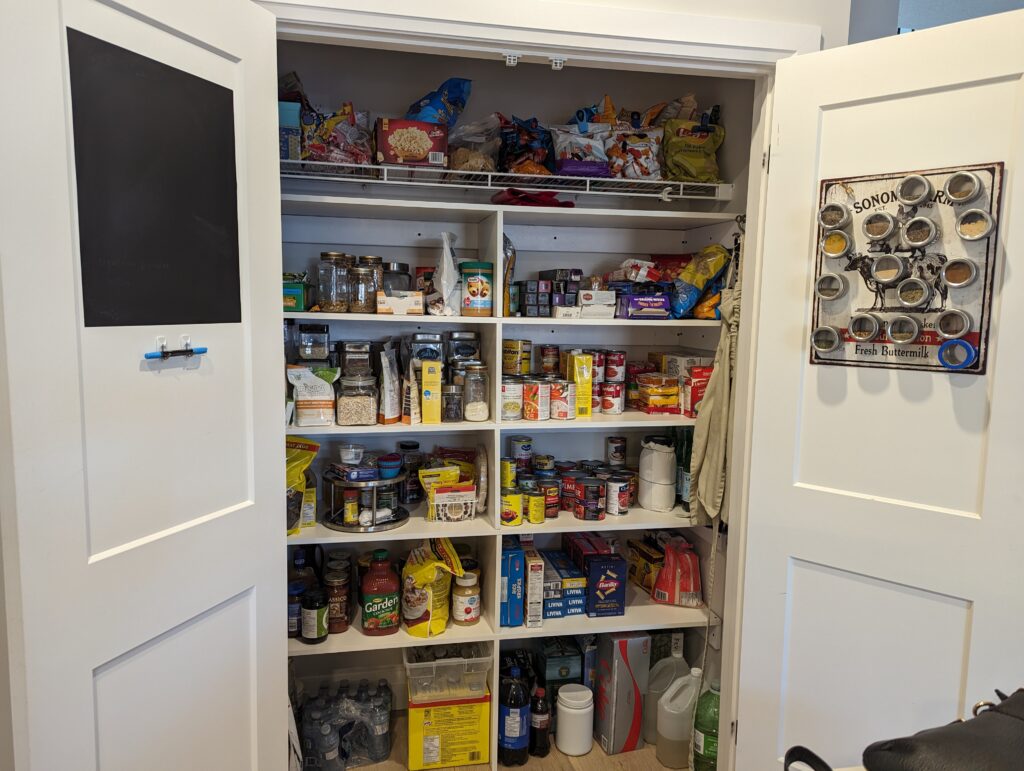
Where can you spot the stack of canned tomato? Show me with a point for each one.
(536, 487)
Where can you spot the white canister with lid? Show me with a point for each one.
(657, 484)
(575, 734)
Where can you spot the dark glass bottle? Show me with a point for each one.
(684, 452)
(540, 725)
(513, 721)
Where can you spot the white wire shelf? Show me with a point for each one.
(424, 176)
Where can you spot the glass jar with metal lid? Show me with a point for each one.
(476, 390)
(362, 293)
(313, 341)
(343, 259)
(463, 346)
(458, 370)
(377, 263)
(396, 277)
(332, 285)
(357, 401)
(355, 358)
(452, 405)
(426, 346)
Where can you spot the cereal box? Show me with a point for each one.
(411, 142)
(534, 581)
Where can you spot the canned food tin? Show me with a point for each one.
(511, 399)
(511, 352)
(563, 400)
(511, 506)
(599, 363)
(527, 482)
(350, 512)
(508, 472)
(535, 507)
(543, 462)
(590, 465)
(595, 400)
(617, 495)
(591, 499)
(634, 484)
(570, 480)
(552, 497)
(526, 357)
(545, 473)
(536, 400)
(612, 398)
(615, 451)
(604, 472)
(561, 466)
(615, 367)
(522, 450)
(549, 358)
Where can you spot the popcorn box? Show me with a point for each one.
(411, 142)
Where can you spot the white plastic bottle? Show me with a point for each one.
(675, 721)
(662, 675)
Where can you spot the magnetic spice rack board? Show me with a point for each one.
(904, 269)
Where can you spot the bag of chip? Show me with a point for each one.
(474, 146)
(678, 581)
(444, 105)
(635, 155)
(635, 119)
(602, 112)
(681, 108)
(427, 586)
(693, 279)
(579, 149)
(691, 150)
(300, 483)
(525, 146)
(707, 307)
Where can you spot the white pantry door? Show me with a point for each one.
(141, 501)
(884, 584)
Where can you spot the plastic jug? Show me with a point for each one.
(662, 675)
(675, 721)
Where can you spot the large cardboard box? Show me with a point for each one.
(449, 733)
(411, 142)
(623, 661)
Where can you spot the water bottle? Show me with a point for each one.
(705, 734)
(342, 691)
(384, 691)
(327, 749)
(513, 721)
(311, 723)
(363, 693)
(378, 734)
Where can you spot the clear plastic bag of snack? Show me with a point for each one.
(691, 150)
(475, 146)
(638, 119)
(444, 105)
(635, 155)
(579, 149)
(525, 145)
(681, 108)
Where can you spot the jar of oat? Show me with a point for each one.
(476, 387)
(377, 263)
(314, 341)
(357, 401)
(332, 286)
(362, 289)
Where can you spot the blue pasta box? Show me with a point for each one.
(606, 585)
(513, 576)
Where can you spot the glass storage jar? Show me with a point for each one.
(463, 346)
(377, 263)
(451, 404)
(332, 286)
(396, 277)
(476, 389)
(313, 341)
(357, 401)
(355, 358)
(362, 290)
(345, 260)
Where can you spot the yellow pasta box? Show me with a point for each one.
(581, 372)
(456, 732)
(430, 392)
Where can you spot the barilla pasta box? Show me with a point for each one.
(623, 660)
(533, 566)
(411, 142)
(513, 569)
(606, 585)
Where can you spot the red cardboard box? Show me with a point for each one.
(693, 395)
(411, 142)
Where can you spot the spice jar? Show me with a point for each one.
(963, 186)
(914, 189)
(830, 286)
(477, 290)
(953, 323)
(919, 232)
(903, 329)
(451, 404)
(889, 269)
(362, 290)
(974, 224)
(396, 277)
(959, 272)
(314, 616)
(357, 402)
(476, 388)
(332, 285)
(879, 225)
(466, 600)
(313, 341)
(913, 292)
(336, 583)
(835, 243)
(377, 263)
(833, 216)
(824, 340)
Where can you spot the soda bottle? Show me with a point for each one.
(513, 721)
(705, 735)
(540, 725)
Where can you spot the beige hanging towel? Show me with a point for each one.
(708, 462)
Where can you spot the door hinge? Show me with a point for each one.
(766, 160)
(735, 728)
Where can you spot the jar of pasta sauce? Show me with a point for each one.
(336, 583)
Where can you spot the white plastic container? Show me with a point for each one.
(575, 734)
(662, 676)
(657, 484)
(675, 721)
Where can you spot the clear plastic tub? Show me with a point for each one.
(455, 671)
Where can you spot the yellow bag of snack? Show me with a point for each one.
(300, 495)
(436, 477)
(691, 153)
(427, 586)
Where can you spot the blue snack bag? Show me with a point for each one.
(444, 105)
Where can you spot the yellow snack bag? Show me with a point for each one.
(437, 477)
(300, 495)
(427, 586)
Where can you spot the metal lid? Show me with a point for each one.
(426, 337)
(974, 224)
(455, 388)
(831, 246)
(888, 269)
(903, 329)
(331, 255)
(963, 186)
(314, 328)
(826, 339)
(335, 578)
(914, 189)
(463, 336)
(356, 346)
(830, 286)
(913, 292)
(959, 272)
(476, 367)
(408, 445)
(834, 215)
(396, 267)
(360, 270)
(481, 267)
(864, 327)
(359, 380)
(920, 231)
(879, 225)
(369, 259)
(953, 323)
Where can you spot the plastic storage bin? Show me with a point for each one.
(439, 672)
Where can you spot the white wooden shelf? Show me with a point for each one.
(393, 428)
(353, 640)
(388, 318)
(600, 422)
(507, 321)
(513, 321)
(636, 519)
(416, 527)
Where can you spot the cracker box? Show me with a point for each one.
(534, 584)
(513, 568)
(449, 733)
(623, 661)
(645, 560)
(569, 576)
(606, 585)
(411, 142)
(400, 303)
